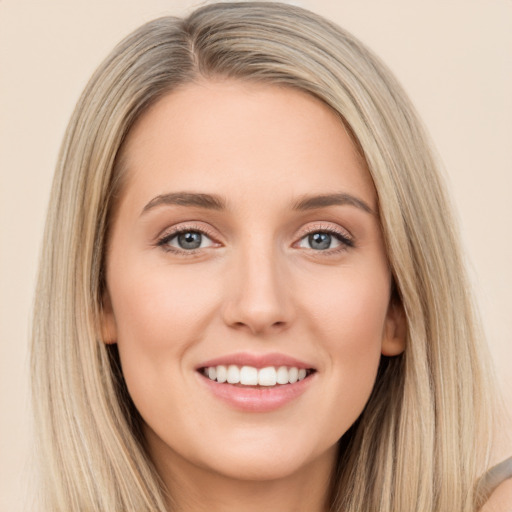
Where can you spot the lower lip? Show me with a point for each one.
(257, 399)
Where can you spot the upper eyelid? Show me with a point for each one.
(329, 228)
(164, 238)
(184, 227)
(199, 226)
(344, 237)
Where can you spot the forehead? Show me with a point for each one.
(229, 133)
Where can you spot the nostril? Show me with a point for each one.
(257, 313)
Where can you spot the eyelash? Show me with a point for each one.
(346, 241)
(170, 235)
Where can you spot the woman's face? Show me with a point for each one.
(246, 241)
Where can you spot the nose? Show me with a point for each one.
(258, 296)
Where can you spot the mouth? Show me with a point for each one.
(257, 383)
(252, 377)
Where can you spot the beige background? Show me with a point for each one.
(454, 57)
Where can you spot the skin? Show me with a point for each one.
(256, 286)
(501, 498)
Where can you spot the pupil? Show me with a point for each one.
(320, 241)
(190, 240)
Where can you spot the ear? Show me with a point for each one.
(107, 321)
(395, 329)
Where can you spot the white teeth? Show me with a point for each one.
(267, 376)
(222, 373)
(248, 376)
(233, 376)
(282, 375)
(251, 376)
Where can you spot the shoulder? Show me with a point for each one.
(497, 485)
(501, 498)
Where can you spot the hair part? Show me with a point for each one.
(424, 435)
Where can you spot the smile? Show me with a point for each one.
(252, 376)
(257, 383)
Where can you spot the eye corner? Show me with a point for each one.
(200, 238)
(325, 235)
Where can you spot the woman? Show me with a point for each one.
(257, 296)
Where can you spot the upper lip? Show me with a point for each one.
(256, 360)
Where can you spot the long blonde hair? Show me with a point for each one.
(424, 435)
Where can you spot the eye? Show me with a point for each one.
(325, 240)
(186, 240)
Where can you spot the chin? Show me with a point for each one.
(267, 459)
(260, 468)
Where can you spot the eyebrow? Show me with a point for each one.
(325, 200)
(207, 201)
(215, 202)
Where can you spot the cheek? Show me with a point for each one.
(350, 309)
(159, 316)
(349, 319)
(154, 305)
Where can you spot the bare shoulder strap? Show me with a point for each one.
(492, 478)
